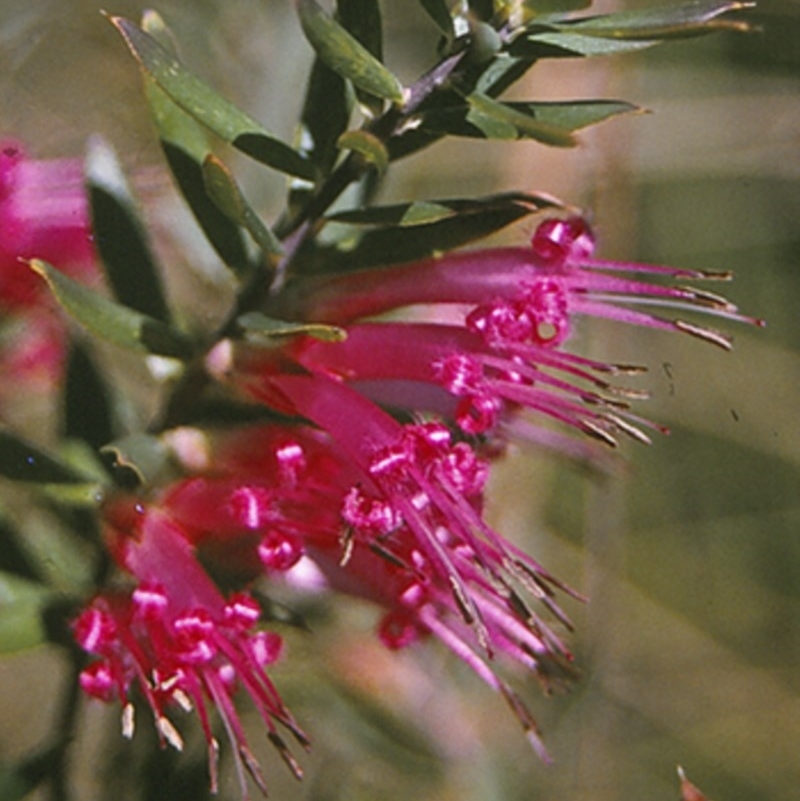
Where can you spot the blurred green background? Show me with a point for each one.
(690, 644)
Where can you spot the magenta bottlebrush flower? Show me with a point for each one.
(380, 492)
(180, 642)
(414, 537)
(44, 214)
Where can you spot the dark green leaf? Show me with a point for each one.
(14, 784)
(258, 326)
(111, 321)
(86, 406)
(484, 117)
(21, 606)
(22, 461)
(344, 54)
(119, 236)
(368, 146)
(200, 101)
(222, 188)
(362, 19)
(137, 460)
(409, 231)
(14, 558)
(224, 235)
(440, 14)
(325, 117)
(552, 44)
(663, 22)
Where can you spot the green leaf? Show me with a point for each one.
(549, 44)
(484, 117)
(86, 402)
(258, 326)
(22, 461)
(572, 115)
(540, 8)
(326, 113)
(438, 11)
(362, 19)
(408, 231)
(663, 22)
(119, 236)
(224, 235)
(111, 321)
(368, 146)
(344, 54)
(222, 188)
(21, 606)
(200, 101)
(138, 460)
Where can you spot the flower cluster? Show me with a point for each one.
(379, 492)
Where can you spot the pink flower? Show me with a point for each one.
(180, 642)
(43, 214)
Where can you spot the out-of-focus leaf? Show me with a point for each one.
(344, 54)
(138, 460)
(440, 14)
(199, 100)
(404, 232)
(22, 461)
(14, 785)
(111, 321)
(258, 326)
(663, 21)
(86, 403)
(481, 9)
(482, 117)
(21, 605)
(120, 237)
(222, 188)
(13, 558)
(368, 146)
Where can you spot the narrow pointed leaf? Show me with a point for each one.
(87, 412)
(120, 237)
(554, 44)
(186, 145)
(344, 54)
(111, 321)
(199, 100)
(259, 326)
(485, 117)
(664, 22)
(13, 558)
(222, 188)
(362, 19)
(574, 114)
(404, 232)
(368, 146)
(22, 461)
